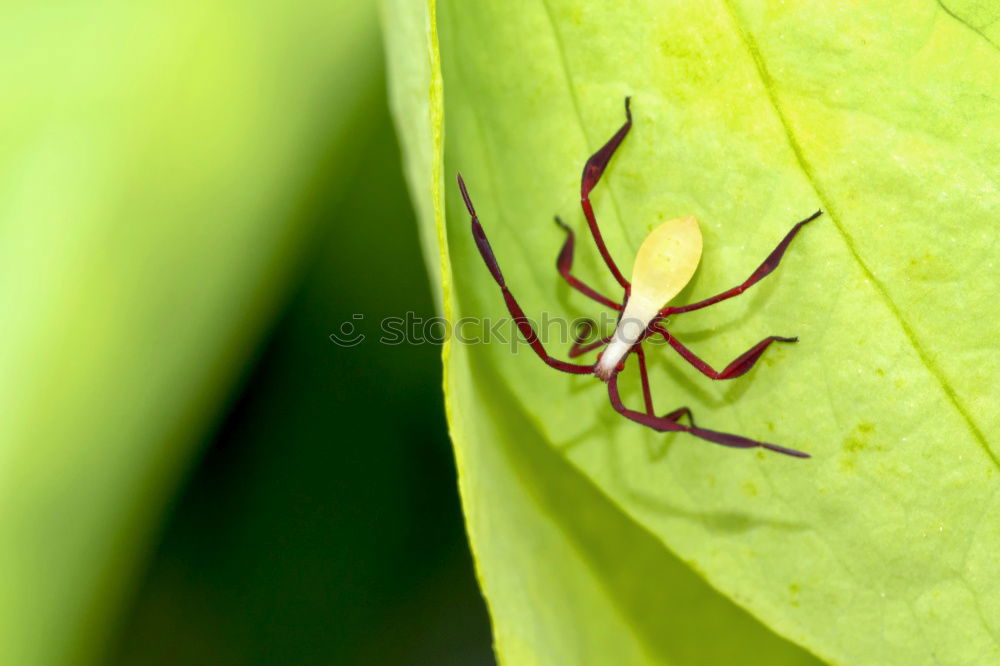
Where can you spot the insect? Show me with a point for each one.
(665, 263)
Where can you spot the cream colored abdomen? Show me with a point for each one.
(665, 263)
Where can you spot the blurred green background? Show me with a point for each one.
(323, 525)
(193, 196)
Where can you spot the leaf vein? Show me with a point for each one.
(978, 31)
(564, 62)
(768, 84)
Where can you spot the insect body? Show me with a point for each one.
(665, 263)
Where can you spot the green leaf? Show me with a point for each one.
(412, 61)
(880, 549)
(154, 195)
(566, 574)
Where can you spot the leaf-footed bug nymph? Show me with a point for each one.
(665, 263)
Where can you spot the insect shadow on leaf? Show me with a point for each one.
(665, 263)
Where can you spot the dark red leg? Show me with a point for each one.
(592, 172)
(579, 348)
(564, 263)
(665, 424)
(647, 396)
(740, 366)
(523, 325)
(762, 271)
(678, 413)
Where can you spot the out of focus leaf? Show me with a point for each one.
(154, 187)
(415, 100)
(749, 116)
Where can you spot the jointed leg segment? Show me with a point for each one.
(580, 348)
(738, 367)
(762, 271)
(678, 413)
(647, 396)
(666, 424)
(592, 172)
(564, 263)
(523, 325)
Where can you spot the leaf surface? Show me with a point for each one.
(872, 552)
(750, 116)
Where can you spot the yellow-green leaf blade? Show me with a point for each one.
(153, 197)
(751, 117)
